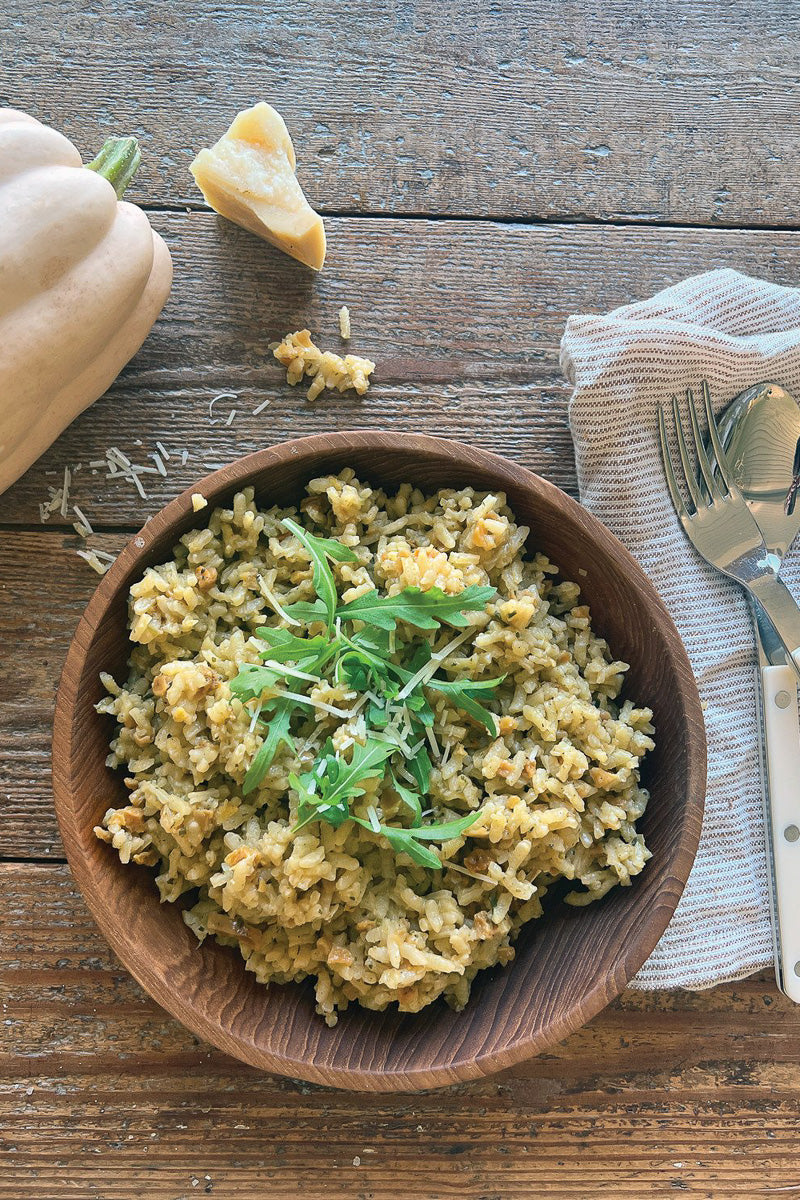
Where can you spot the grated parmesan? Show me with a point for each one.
(432, 740)
(82, 525)
(373, 818)
(256, 715)
(98, 560)
(221, 396)
(283, 669)
(430, 668)
(273, 600)
(261, 407)
(65, 491)
(328, 708)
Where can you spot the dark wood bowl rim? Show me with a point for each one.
(642, 940)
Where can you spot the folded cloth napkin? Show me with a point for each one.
(733, 331)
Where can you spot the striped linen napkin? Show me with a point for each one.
(733, 331)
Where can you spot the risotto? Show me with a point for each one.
(363, 737)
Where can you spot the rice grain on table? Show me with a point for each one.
(558, 787)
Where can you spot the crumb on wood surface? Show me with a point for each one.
(302, 357)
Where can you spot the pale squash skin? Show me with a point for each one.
(83, 278)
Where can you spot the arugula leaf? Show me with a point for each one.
(307, 611)
(252, 680)
(409, 798)
(424, 610)
(339, 782)
(277, 732)
(446, 830)
(418, 704)
(402, 843)
(378, 715)
(407, 841)
(420, 767)
(285, 646)
(313, 807)
(462, 693)
(321, 549)
(374, 640)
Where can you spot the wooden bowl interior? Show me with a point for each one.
(568, 965)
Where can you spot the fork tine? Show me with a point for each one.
(703, 460)
(723, 465)
(669, 470)
(688, 466)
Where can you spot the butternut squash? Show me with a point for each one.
(82, 279)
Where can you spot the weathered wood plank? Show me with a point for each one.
(463, 319)
(44, 587)
(682, 112)
(106, 1096)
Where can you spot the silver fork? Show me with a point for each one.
(719, 524)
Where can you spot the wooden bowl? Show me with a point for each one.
(569, 964)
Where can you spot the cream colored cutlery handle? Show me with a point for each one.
(782, 738)
(783, 611)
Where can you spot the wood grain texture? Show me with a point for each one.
(566, 967)
(105, 1097)
(538, 110)
(463, 319)
(680, 113)
(44, 588)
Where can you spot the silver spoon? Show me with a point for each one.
(760, 431)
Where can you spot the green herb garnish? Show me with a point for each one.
(277, 732)
(325, 790)
(398, 711)
(424, 610)
(321, 549)
(407, 841)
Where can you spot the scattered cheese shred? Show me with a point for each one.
(300, 356)
(65, 491)
(430, 668)
(373, 820)
(98, 560)
(82, 525)
(276, 604)
(320, 704)
(221, 396)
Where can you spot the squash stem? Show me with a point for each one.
(118, 162)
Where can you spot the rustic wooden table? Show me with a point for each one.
(484, 171)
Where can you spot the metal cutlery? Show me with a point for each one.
(760, 431)
(742, 521)
(719, 524)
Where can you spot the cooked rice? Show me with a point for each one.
(558, 788)
(301, 356)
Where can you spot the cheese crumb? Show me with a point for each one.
(298, 353)
(344, 323)
(198, 502)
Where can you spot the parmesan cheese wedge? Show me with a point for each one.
(249, 177)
